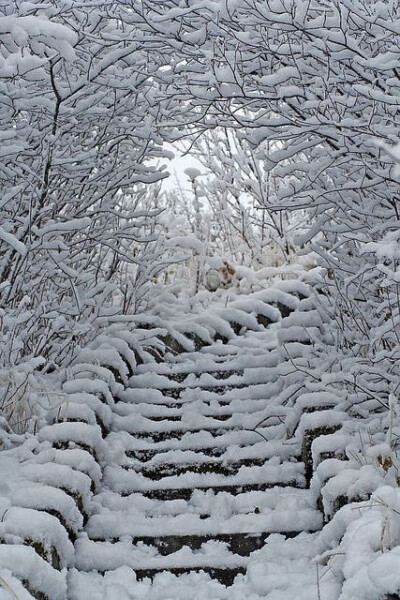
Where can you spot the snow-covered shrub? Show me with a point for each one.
(77, 238)
(361, 546)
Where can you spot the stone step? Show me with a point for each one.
(206, 366)
(209, 504)
(242, 533)
(105, 556)
(178, 418)
(220, 375)
(177, 434)
(161, 470)
(225, 575)
(149, 454)
(243, 544)
(206, 381)
(119, 480)
(197, 446)
(193, 422)
(218, 435)
(234, 490)
(209, 361)
(213, 407)
(176, 392)
(168, 418)
(235, 394)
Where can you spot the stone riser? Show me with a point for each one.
(224, 576)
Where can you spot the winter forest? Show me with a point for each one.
(199, 300)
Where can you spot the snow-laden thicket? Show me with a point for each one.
(78, 130)
(241, 191)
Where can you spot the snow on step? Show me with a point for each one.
(42, 506)
(20, 524)
(199, 440)
(225, 456)
(190, 420)
(205, 380)
(206, 363)
(166, 586)
(260, 391)
(60, 476)
(75, 458)
(81, 434)
(138, 454)
(284, 569)
(104, 556)
(210, 405)
(119, 523)
(211, 502)
(125, 482)
(52, 500)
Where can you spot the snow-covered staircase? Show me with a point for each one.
(184, 457)
(200, 472)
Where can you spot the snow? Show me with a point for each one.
(24, 29)
(187, 242)
(59, 475)
(282, 570)
(166, 586)
(10, 239)
(50, 499)
(20, 524)
(83, 407)
(11, 587)
(124, 481)
(353, 484)
(279, 77)
(88, 436)
(74, 458)
(84, 385)
(118, 524)
(366, 556)
(27, 565)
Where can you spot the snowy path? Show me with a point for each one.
(199, 472)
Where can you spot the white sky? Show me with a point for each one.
(176, 168)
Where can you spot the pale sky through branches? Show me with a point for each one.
(176, 167)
